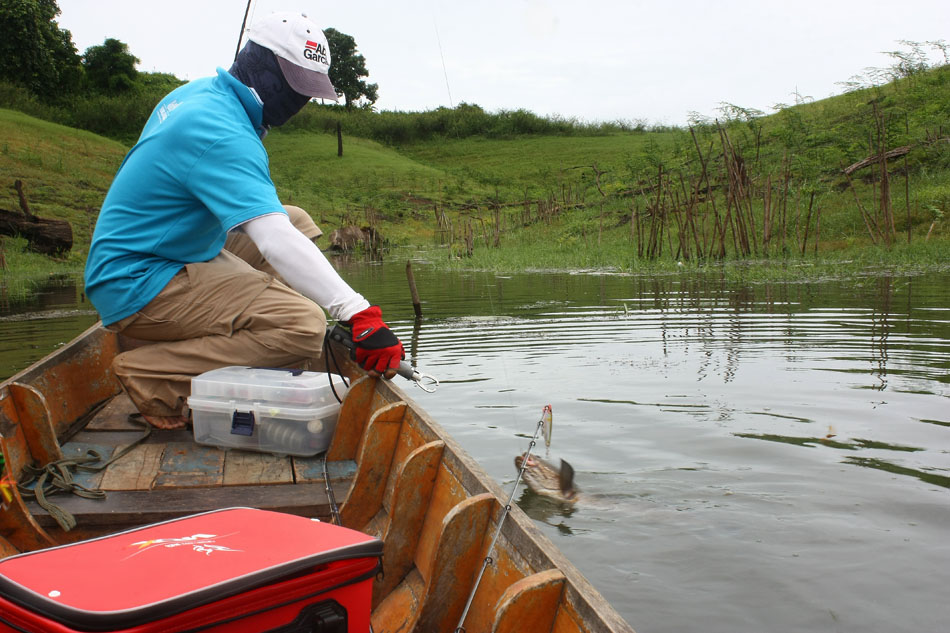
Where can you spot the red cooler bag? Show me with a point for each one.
(238, 569)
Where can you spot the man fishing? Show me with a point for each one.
(157, 270)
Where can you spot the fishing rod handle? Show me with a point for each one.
(343, 336)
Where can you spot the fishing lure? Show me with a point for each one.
(547, 426)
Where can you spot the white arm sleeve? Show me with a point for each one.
(302, 265)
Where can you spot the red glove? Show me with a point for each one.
(377, 348)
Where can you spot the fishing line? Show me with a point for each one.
(504, 364)
(438, 40)
(507, 509)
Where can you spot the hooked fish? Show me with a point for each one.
(544, 479)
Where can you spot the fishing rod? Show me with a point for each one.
(425, 382)
(247, 10)
(544, 424)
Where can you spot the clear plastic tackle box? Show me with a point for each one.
(280, 411)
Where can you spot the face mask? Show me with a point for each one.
(257, 67)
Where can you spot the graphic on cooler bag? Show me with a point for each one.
(202, 543)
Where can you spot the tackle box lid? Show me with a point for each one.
(292, 387)
(266, 409)
(154, 571)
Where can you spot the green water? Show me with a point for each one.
(752, 457)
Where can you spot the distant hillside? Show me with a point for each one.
(805, 180)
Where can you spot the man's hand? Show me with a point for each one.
(378, 350)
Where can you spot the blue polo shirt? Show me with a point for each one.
(198, 169)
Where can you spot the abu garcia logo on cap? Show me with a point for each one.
(316, 52)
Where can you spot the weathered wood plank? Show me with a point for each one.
(81, 449)
(409, 440)
(191, 465)
(310, 469)
(136, 470)
(123, 438)
(454, 567)
(532, 599)
(397, 612)
(374, 463)
(7, 548)
(244, 467)
(447, 493)
(36, 420)
(414, 479)
(16, 451)
(121, 509)
(354, 414)
(17, 523)
(506, 568)
(567, 620)
(115, 416)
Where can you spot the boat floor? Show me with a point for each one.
(168, 475)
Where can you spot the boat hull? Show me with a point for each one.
(394, 471)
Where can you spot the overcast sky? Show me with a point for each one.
(598, 60)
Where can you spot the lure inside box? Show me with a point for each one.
(282, 411)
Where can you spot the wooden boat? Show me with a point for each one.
(398, 475)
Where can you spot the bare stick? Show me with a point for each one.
(811, 202)
(24, 205)
(416, 306)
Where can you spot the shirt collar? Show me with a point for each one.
(252, 103)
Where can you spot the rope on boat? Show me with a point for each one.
(57, 476)
(507, 509)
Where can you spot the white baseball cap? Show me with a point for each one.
(301, 49)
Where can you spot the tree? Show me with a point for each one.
(347, 67)
(110, 67)
(34, 51)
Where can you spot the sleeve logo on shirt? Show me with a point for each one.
(166, 109)
(316, 52)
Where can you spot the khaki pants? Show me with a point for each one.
(214, 314)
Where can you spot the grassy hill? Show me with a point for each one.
(66, 173)
(746, 187)
(785, 171)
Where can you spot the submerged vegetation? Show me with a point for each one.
(861, 179)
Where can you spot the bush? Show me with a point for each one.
(463, 121)
(119, 117)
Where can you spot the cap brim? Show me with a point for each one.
(307, 82)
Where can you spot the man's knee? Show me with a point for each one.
(311, 327)
(285, 319)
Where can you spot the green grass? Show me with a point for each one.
(369, 184)
(552, 248)
(66, 174)
(566, 196)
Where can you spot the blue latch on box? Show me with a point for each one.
(242, 423)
